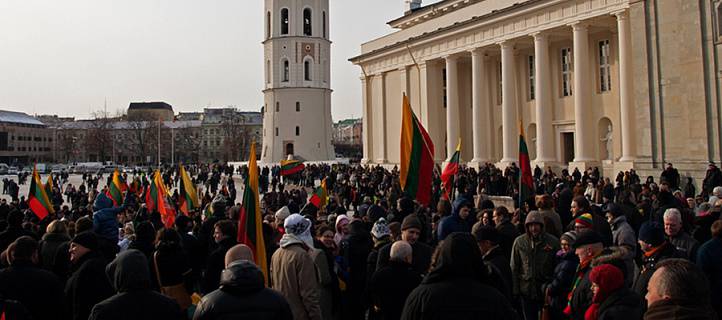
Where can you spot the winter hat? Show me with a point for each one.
(585, 219)
(380, 229)
(375, 213)
(86, 239)
(587, 237)
(411, 221)
(282, 214)
(407, 205)
(534, 217)
(296, 224)
(482, 233)
(570, 236)
(608, 279)
(652, 233)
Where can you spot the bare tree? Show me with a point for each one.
(143, 135)
(188, 143)
(236, 135)
(99, 139)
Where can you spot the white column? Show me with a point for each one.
(366, 124)
(480, 105)
(583, 127)
(626, 109)
(452, 105)
(510, 138)
(379, 106)
(542, 97)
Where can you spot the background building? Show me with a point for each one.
(23, 139)
(614, 83)
(347, 138)
(150, 111)
(297, 94)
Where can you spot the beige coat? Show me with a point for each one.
(294, 275)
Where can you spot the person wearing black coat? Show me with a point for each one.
(225, 238)
(38, 290)
(496, 261)
(455, 288)
(391, 285)
(410, 232)
(564, 273)
(134, 299)
(14, 230)
(170, 262)
(242, 295)
(355, 249)
(88, 283)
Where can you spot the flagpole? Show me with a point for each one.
(159, 119)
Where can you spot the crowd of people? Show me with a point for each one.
(584, 247)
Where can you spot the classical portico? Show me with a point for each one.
(478, 70)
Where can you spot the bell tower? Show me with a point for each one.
(297, 89)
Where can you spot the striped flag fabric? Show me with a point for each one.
(38, 200)
(250, 224)
(320, 195)
(526, 182)
(49, 186)
(115, 189)
(417, 156)
(289, 167)
(450, 171)
(162, 204)
(188, 195)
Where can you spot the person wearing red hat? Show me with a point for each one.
(612, 299)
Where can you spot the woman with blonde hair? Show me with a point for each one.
(53, 249)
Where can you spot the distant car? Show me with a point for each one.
(13, 170)
(4, 168)
(27, 170)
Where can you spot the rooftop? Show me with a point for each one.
(19, 118)
(149, 105)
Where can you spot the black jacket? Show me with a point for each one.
(564, 275)
(582, 295)
(500, 271)
(455, 288)
(38, 290)
(622, 304)
(389, 287)
(243, 296)
(215, 265)
(420, 261)
(87, 285)
(649, 265)
(508, 233)
(134, 299)
(54, 253)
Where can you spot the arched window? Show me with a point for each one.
(324, 25)
(298, 106)
(307, 22)
(284, 21)
(307, 70)
(278, 106)
(298, 130)
(268, 25)
(285, 70)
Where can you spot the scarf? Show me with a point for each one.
(581, 270)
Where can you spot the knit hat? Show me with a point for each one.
(282, 214)
(608, 279)
(296, 224)
(411, 221)
(585, 219)
(652, 233)
(534, 217)
(380, 229)
(86, 239)
(570, 236)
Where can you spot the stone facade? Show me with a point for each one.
(609, 83)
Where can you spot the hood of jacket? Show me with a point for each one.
(102, 202)
(241, 277)
(460, 202)
(459, 257)
(678, 310)
(129, 271)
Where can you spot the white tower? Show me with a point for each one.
(297, 95)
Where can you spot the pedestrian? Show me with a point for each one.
(391, 285)
(134, 298)
(293, 272)
(678, 290)
(381, 235)
(487, 237)
(532, 264)
(557, 291)
(224, 235)
(242, 293)
(456, 286)
(709, 259)
(458, 220)
(682, 241)
(54, 249)
(553, 223)
(623, 237)
(171, 269)
(507, 231)
(410, 232)
(88, 283)
(38, 290)
(611, 298)
(655, 249)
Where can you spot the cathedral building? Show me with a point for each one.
(614, 84)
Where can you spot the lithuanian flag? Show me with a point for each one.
(417, 156)
(289, 167)
(319, 197)
(155, 199)
(450, 171)
(49, 186)
(250, 224)
(115, 189)
(38, 200)
(188, 195)
(526, 182)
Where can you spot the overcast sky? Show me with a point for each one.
(67, 57)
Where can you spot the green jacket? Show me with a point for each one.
(532, 264)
